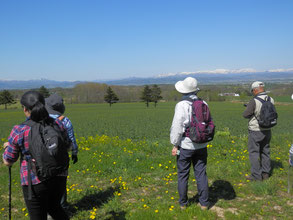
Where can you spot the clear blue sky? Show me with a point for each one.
(113, 39)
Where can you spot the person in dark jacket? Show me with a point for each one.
(56, 109)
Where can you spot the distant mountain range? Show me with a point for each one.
(32, 84)
(202, 77)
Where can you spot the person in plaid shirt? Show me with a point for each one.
(45, 195)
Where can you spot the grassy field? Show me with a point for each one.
(126, 171)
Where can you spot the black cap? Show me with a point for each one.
(54, 104)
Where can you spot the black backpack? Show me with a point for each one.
(48, 150)
(268, 114)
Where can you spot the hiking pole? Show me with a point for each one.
(9, 192)
(290, 178)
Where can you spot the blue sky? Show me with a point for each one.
(113, 39)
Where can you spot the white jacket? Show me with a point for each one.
(181, 121)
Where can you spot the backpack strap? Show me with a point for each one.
(261, 100)
(29, 123)
(192, 101)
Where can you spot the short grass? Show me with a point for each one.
(126, 171)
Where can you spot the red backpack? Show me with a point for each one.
(201, 128)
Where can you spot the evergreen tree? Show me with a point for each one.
(146, 95)
(110, 96)
(6, 98)
(156, 94)
(44, 91)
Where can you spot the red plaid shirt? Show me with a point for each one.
(19, 145)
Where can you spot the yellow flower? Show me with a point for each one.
(156, 211)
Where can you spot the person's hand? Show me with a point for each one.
(5, 145)
(174, 151)
(74, 158)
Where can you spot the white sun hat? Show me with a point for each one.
(257, 84)
(188, 85)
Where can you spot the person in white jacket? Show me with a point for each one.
(188, 152)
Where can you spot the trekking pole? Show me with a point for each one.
(290, 178)
(9, 192)
(288, 189)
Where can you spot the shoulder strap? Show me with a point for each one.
(29, 123)
(261, 100)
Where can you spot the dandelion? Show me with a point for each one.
(156, 211)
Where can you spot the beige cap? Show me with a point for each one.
(257, 84)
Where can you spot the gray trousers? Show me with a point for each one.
(259, 153)
(198, 158)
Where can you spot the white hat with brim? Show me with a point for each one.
(256, 84)
(188, 85)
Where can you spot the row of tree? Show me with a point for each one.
(6, 97)
(99, 93)
(148, 95)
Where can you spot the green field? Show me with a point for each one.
(126, 171)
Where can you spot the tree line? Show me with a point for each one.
(99, 93)
(89, 92)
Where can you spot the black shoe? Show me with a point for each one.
(250, 178)
(265, 176)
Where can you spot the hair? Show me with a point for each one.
(35, 103)
(192, 93)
